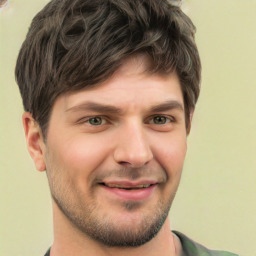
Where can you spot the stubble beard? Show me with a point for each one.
(86, 216)
(106, 230)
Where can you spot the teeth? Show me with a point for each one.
(127, 187)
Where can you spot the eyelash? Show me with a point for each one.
(170, 118)
(148, 120)
(87, 119)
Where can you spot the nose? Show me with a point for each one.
(133, 149)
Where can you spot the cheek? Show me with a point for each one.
(171, 154)
(73, 161)
(80, 154)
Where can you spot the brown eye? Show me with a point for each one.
(160, 120)
(95, 121)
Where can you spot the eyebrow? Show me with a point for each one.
(96, 107)
(103, 108)
(167, 105)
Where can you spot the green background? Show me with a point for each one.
(215, 204)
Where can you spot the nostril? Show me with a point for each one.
(133, 153)
(124, 163)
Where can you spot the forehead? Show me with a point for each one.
(130, 86)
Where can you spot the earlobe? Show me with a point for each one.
(34, 139)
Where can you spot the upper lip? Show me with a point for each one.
(129, 184)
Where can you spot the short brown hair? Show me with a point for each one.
(76, 43)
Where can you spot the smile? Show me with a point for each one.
(127, 187)
(129, 191)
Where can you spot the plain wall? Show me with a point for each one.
(215, 204)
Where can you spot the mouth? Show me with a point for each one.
(128, 190)
(126, 187)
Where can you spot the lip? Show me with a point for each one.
(134, 193)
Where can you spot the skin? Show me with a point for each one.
(139, 137)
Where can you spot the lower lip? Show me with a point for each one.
(136, 194)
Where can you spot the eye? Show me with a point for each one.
(95, 121)
(160, 120)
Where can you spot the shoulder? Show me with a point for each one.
(48, 252)
(191, 248)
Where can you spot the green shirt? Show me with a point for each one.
(191, 248)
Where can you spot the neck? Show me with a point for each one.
(68, 240)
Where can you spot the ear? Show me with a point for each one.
(190, 121)
(34, 139)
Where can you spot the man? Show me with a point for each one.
(109, 88)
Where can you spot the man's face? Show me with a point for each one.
(114, 155)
